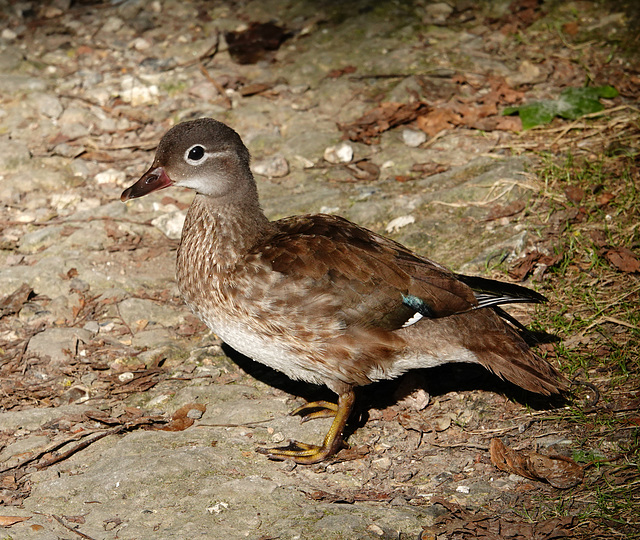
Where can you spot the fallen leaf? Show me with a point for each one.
(559, 471)
(337, 73)
(184, 417)
(623, 259)
(370, 125)
(8, 521)
(254, 88)
(524, 266)
(572, 104)
(500, 211)
(13, 303)
(437, 120)
(599, 238)
(429, 169)
(364, 170)
(605, 198)
(574, 193)
(256, 42)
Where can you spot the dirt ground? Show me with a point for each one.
(122, 417)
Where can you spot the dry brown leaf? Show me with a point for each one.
(182, 419)
(337, 73)
(560, 471)
(437, 120)
(524, 266)
(14, 302)
(574, 193)
(255, 43)
(254, 88)
(623, 259)
(370, 125)
(500, 211)
(8, 521)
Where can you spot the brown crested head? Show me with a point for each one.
(204, 155)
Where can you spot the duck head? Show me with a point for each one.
(204, 155)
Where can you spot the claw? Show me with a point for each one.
(325, 409)
(310, 453)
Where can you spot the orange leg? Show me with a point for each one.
(309, 453)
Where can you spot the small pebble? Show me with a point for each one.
(342, 153)
(413, 138)
(272, 167)
(8, 34)
(194, 414)
(170, 224)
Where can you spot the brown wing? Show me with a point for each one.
(373, 279)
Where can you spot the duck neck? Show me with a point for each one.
(217, 236)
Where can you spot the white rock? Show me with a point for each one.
(170, 224)
(271, 167)
(304, 162)
(341, 153)
(111, 176)
(60, 201)
(140, 44)
(413, 137)
(399, 222)
(113, 24)
(8, 34)
(438, 12)
(218, 507)
(136, 93)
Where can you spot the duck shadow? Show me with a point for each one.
(437, 381)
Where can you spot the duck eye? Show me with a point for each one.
(196, 153)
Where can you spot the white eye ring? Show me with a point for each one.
(202, 155)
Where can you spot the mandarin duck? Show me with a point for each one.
(320, 298)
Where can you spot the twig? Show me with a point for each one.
(218, 86)
(80, 534)
(244, 424)
(381, 76)
(613, 320)
(81, 446)
(462, 445)
(123, 321)
(486, 200)
(48, 449)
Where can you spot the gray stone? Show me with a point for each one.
(16, 83)
(13, 154)
(47, 104)
(138, 311)
(413, 137)
(272, 167)
(40, 238)
(58, 344)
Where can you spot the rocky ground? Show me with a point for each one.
(120, 415)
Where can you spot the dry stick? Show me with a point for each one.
(50, 448)
(82, 445)
(61, 221)
(218, 86)
(81, 534)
